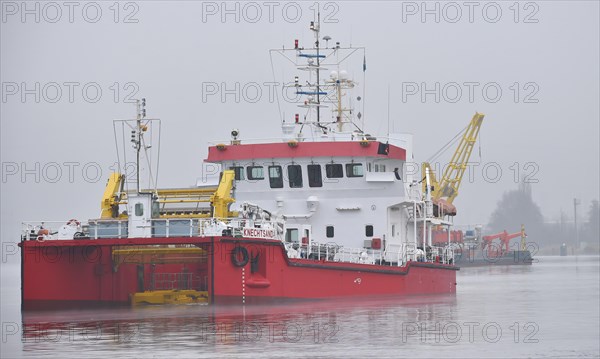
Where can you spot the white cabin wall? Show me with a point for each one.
(405, 140)
(337, 199)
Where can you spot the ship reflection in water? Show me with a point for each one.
(307, 322)
(499, 311)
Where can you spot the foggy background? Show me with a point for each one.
(544, 56)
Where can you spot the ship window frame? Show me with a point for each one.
(275, 181)
(380, 167)
(155, 210)
(350, 170)
(334, 170)
(288, 236)
(295, 180)
(369, 229)
(249, 170)
(315, 178)
(329, 231)
(239, 172)
(139, 209)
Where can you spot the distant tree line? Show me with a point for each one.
(517, 207)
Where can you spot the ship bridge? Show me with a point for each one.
(344, 192)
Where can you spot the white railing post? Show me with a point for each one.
(415, 226)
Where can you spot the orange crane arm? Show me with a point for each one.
(505, 238)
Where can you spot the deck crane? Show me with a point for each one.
(204, 202)
(445, 191)
(112, 196)
(505, 238)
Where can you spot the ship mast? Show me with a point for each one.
(136, 138)
(322, 91)
(316, 30)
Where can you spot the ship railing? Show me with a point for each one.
(160, 227)
(393, 256)
(443, 255)
(333, 252)
(359, 255)
(401, 253)
(52, 230)
(74, 229)
(206, 227)
(409, 252)
(341, 137)
(320, 251)
(241, 227)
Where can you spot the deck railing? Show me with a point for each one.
(395, 253)
(161, 227)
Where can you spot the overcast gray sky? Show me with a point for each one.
(543, 56)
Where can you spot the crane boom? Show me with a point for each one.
(453, 174)
(446, 190)
(505, 238)
(222, 196)
(111, 197)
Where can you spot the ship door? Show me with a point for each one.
(140, 214)
(306, 235)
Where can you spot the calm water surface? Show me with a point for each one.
(549, 309)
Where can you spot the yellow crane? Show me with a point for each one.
(222, 196)
(191, 198)
(445, 191)
(112, 196)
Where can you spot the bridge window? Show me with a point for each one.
(354, 170)
(255, 172)
(291, 235)
(314, 176)
(329, 231)
(295, 176)
(369, 230)
(239, 172)
(334, 170)
(275, 177)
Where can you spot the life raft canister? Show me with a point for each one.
(42, 233)
(235, 256)
(73, 222)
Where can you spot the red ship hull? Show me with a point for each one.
(87, 272)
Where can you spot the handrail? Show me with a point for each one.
(160, 227)
(395, 254)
